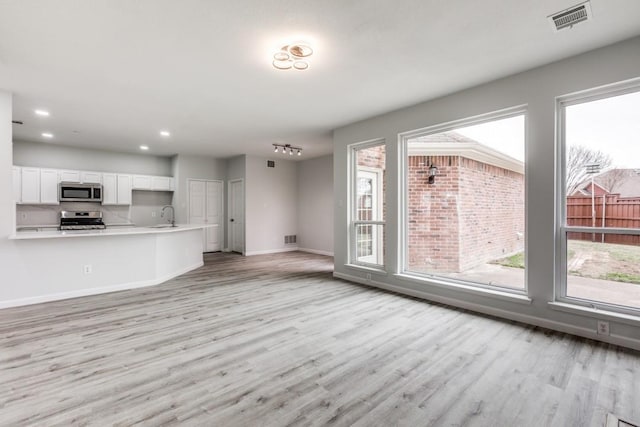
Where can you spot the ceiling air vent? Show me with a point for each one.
(569, 17)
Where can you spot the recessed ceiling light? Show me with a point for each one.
(47, 135)
(43, 113)
(165, 133)
(144, 147)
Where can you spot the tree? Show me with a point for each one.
(578, 158)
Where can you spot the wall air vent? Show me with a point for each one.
(569, 17)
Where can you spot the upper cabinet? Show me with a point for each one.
(162, 183)
(30, 188)
(49, 186)
(116, 189)
(40, 185)
(91, 177)
(124, 189)
(152, 183)
(69, 176)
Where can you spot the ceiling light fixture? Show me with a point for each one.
(47, 135)
(144, 147)
(165, 133)
(42, 113)
(287, 147)
(292, 56)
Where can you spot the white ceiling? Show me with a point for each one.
(113, 73)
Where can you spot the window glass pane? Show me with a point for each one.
(602, 184)
(465, 203)
(369, 243)
(367, 239)
(604, 272)
(370, 186)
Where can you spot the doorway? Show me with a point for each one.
(206, 207)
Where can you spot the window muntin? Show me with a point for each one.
(368, 185)
(467, 225)
(600, 206)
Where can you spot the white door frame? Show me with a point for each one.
(244, 222)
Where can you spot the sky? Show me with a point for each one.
(610, 125)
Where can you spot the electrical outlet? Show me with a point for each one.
(23, 215)
(603, 328)
(153, 214)
(88, 269)
(369, 276)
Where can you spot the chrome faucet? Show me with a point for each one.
(173, 214)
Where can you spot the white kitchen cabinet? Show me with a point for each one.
(30, 191)
(161, 183)
(109, 189)
(17, 183)
(69, 176)
(141, 182)
(124, 189)
(49, 186)
(90, 177)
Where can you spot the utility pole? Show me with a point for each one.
(593, 169)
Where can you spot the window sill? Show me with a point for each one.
(595, 313)
(367, 269)
(492, 293)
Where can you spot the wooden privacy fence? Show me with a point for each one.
(618, 212)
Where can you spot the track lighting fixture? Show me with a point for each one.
(287, 148)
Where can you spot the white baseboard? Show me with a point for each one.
(271, 251)
(316, 251)
(96, 291)
(518, 317)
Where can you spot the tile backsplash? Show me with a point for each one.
(145, 210)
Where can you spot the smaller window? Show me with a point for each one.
(368, 207)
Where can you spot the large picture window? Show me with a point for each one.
(464, 202)
(599, 256)
(367, 213)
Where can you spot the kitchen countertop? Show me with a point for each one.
(119, 231)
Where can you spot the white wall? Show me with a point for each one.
(315, 205)
(56, 156)
(271, 206)
(538, 89)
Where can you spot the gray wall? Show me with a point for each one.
(61, 157)
(271, 206)
(315, 205)
(537, 89)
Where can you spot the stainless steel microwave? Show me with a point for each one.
(76, 192)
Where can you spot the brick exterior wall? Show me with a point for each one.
(472, 214)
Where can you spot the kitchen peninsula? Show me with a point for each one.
(75, 263)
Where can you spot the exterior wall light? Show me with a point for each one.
(433, 171)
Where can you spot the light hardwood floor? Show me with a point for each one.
(274, 340)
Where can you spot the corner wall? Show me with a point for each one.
(315, 205)
(537, 89)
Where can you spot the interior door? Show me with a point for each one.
(213, 216)
(236, 215)
(198, 206)
(205, 207)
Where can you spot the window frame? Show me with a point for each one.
(352, 195)
(561, 229)
(403, 211)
